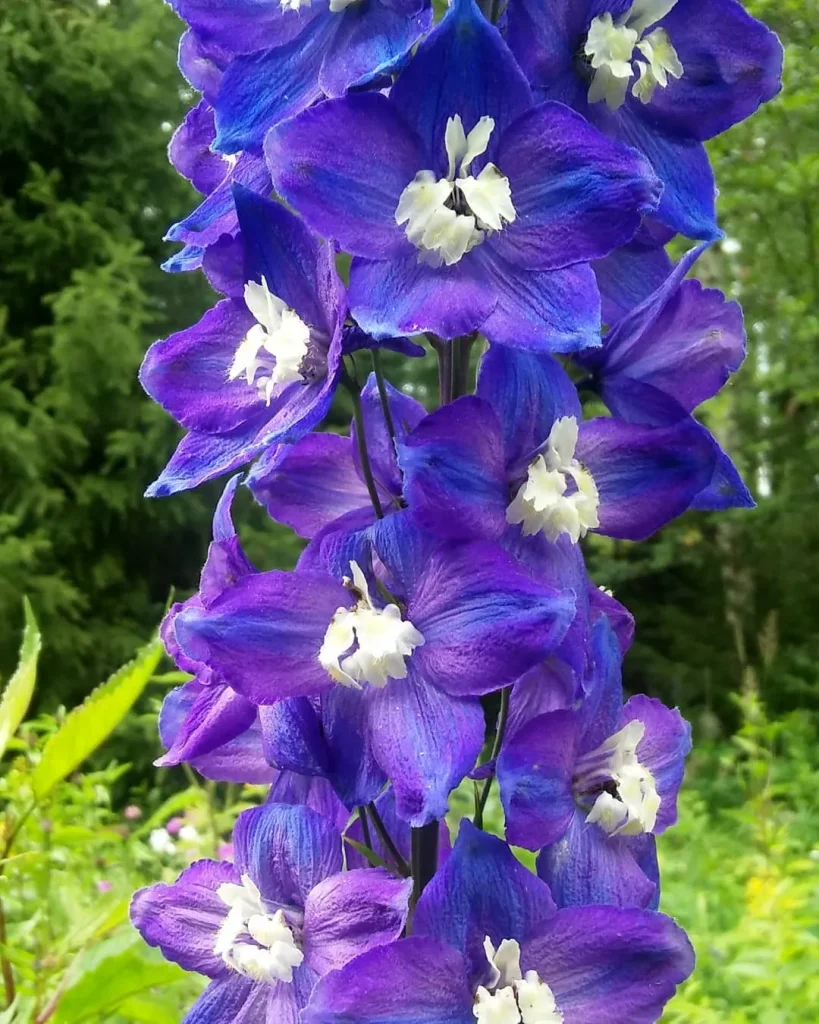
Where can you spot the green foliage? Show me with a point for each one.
(741, 873)
(17, 695)
(90, 724)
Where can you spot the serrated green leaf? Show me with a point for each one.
(17, 695)
(90, 724)
(116, 979)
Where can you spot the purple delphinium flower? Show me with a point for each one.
(256, 370)
(205, 722)
(213, 175)
(593, 784)
(407, 663)
(660, 75)
(318, 480)
(265, 927)
(668, 355)
(465, 205)
(519, 454)
(278, 58)
(487, 944)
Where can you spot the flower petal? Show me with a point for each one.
(413, 981)
(259, 90)
(577, 193)
(663, 749)
(646, 476)
(308, 484)
(475, 76)
(371, 41)
(528, 393)
(184, 918)
(286, 850)
(534, 772)
(263, 635)
(454, 471)
(425, 741)
(587, 867)
(474, 605)
(482, 890)
(542, 311)
(347, 914)
(346, 192)
(406, 296)
(590, 956)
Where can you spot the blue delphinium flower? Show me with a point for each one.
(279, 57)
(259, 369)
(489, 945)
(529, 460)
(593, 784)
(666, 357)
(516, 172)
(409, 660)
(466, 205)
(264, 928)
(660, 75)
(319, 480)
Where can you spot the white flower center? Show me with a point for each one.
(336, 6)
(447, 217)
(251, 940)
(366, 644)
(559, 495)
(509, 997)
(276, 346)
(610, 46)
(627, 800)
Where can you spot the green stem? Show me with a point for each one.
(5, 966)
(366, 466)
(387, 840)
(500, 732)
(365, 830)
(378, 370)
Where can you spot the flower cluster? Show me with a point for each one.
(508, 177)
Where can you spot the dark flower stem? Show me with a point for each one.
(444, 351)
(366, 466)
(424, 857)
(378, 370)
(500, 732)
(387, 840)
(461, 349)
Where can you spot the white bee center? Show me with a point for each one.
(627, 800)
(447, 217)
(251, 940)
(366, 644)
(509, 997)
(275, 348)
(559, 495)
(611, 45)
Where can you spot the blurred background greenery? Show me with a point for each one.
(726, 605)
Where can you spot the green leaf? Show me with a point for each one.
(149, 1010)
(17, 695)
(90, 724)
(112, 982)
(368, 854)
